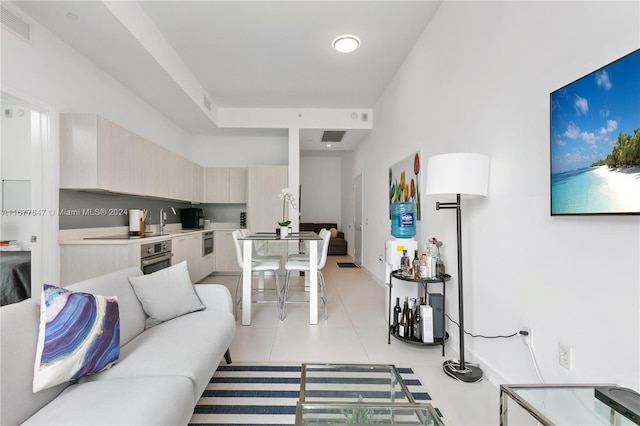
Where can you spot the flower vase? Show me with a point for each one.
(284, 231)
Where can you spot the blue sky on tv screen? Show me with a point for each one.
(588, 115)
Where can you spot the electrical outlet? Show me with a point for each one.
(528, 339)
(565, 355)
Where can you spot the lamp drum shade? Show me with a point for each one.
(458, 173)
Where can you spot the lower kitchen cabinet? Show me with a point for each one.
(224, 252)
(83, 261)
(189, 247)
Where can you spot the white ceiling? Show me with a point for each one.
(249, 54)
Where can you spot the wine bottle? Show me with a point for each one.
(431, 261)
(416, 265)
(417, 324)
(408, 334)
(405, 263)
(396, 315)
(402, 327)
(423, 264)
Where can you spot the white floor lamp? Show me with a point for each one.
(465, 176)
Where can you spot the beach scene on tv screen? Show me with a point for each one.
(595, 141)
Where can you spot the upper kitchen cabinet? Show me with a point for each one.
(264, 207)
(96, 154)
(226, 185)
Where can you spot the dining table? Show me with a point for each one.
(296, 237)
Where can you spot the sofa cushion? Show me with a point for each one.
(333, 232)
(132, 316)
(79, 335)
(163, 400)
(191, 345)
(166, 294)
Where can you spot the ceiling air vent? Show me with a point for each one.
(15, 24)
(333, 135)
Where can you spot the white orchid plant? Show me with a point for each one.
(286, 197)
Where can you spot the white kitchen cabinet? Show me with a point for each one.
(189, 247)
(224, 252)
(264, 207)
(96, 154)
(180, 249)
(208, 264)
(226, 185)
(238, 185)
(80, 262)
(197, 182)
(196, 264)
(217, 185)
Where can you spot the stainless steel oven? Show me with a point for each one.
(155, 256)
(207, 243)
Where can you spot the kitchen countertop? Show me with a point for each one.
(118, 235)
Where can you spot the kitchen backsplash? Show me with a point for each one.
(80, 209)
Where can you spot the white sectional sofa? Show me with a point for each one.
(158, 379)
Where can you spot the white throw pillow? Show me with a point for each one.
(166, 294)
(79, 335)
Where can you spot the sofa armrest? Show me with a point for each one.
(215, 297)
(340, 235)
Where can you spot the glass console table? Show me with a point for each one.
(358, 393)
(568, 405)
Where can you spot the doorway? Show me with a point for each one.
(29, 190)
(357, 220)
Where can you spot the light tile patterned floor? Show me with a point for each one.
(356, 332)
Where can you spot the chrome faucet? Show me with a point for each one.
(163, 218)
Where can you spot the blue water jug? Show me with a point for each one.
(403, 220)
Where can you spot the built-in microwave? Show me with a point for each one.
(192, 218)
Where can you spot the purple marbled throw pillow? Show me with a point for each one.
(79, 335)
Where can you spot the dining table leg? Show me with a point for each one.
(313, 282)
(247, 277)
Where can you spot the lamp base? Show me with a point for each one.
(469, 374)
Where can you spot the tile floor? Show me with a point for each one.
(355, 331)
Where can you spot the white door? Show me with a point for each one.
(37, 230)
(357, 220)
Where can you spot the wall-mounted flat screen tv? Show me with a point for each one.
(595, 142)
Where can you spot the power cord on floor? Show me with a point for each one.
(508, 336)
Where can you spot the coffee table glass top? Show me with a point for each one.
(564, 404)
(353, 383)
(358, 393)
(386, 414)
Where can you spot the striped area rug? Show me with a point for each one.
(266, 394)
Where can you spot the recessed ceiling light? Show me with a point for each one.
(346, 43)
(328, 145)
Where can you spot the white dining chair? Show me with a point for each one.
(302, 265)
(257, 266)
(254, 251)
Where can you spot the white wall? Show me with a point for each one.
(239, 151)
(478, 80)
(54, 73)
(321, 180)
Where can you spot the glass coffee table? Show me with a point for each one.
(358, 393)
(571, 404)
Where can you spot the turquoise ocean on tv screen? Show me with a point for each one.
(582, 191)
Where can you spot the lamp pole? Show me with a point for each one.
(461, 371)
